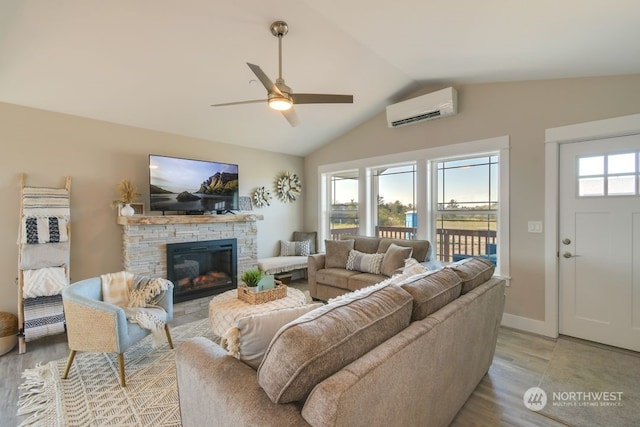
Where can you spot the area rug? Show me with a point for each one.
(92, 396)
(586, 385)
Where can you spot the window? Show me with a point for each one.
(456, 196)
(395, 191)
(608, 175)
(466, 211)
(343, 212)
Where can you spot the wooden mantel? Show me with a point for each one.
(186, 219)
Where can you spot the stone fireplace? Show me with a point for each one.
(145, 240)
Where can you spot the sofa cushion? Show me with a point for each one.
(295, 248)
(431, 291)
(311, 236)
(320, 343)
(336, 277)
(366, 244)
(473, 272)
(249, 340)
(394, 258)
(337, 252)
(366, 263)
(362, 280)
(421, 248)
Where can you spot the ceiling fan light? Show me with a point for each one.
(280, 103)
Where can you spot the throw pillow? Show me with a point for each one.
(311, 236)
(366, 263)
(320, 343)
(294, 248)
(473, 272)
(394, 258)
(337, 253)
(249, 340)
(431, 291)
(412, 266)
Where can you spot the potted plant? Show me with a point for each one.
(128, 194)
(251, 277)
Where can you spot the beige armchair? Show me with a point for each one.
(97, 326)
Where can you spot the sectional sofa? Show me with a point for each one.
(408, 351)
(354, 262)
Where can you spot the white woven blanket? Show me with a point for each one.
(44, 282)
(49, 229)
(139, 296)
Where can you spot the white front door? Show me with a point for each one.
(599, 248)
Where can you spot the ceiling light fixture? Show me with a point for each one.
(280, 103)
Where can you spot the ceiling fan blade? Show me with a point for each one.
(291, 117)
(239, 102)
(321, 98)
(266, 81)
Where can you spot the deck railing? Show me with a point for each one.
(448, 241)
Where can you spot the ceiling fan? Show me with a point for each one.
(280, 96)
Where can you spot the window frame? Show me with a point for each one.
(436, 210)
(425, 189)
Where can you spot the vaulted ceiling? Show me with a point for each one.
(160, 64)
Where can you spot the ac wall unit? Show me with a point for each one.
(425, 107)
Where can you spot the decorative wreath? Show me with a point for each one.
(261, 197)
(289, 187)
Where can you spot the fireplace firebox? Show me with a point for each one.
(200, 269)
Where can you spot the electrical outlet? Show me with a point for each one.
(534, 227)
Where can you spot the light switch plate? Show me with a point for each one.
(534, 227)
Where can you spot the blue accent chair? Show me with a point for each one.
(97, 326)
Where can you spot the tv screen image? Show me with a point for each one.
(186, 185)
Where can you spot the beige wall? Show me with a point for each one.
(521, 110)
(97, 155)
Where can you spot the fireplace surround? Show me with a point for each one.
(145, 239)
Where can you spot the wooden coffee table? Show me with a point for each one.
(226, 309)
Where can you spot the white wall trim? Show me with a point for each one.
(524, 324)
(453, 150)
(554, 137)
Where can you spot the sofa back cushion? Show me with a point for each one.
(421, 248)
(337, 253)
(320, 343)
(366, 244)
(473, 272)
(431, 291)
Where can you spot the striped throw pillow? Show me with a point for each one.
(366, 263)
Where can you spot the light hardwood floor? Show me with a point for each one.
(519, 363)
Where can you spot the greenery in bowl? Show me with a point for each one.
(251, 277)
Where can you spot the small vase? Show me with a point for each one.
(127, 210)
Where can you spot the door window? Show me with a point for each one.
(608, 175)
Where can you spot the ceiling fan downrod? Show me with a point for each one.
(279, 29)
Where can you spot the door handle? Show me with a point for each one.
(568, 254)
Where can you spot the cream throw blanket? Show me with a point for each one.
(138, 296)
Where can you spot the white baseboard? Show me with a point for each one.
(528, 325)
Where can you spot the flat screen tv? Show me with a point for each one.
(192, 186)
